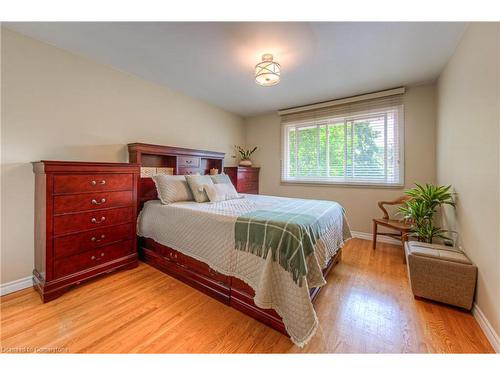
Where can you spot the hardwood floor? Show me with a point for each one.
(367, 307)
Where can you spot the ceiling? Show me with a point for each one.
(215, 62)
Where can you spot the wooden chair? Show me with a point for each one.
(399, 225)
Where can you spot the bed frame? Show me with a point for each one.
(229, 290)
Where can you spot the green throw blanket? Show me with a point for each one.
(289, 232)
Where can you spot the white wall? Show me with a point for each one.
(360, 202)
(468, 131)
(56, 105)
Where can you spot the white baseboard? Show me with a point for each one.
(488, 330)
(368, 236)
(14, 286)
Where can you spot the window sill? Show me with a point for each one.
(365, 185)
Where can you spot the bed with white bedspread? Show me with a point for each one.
(206, 232)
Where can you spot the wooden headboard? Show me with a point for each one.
(182, 160)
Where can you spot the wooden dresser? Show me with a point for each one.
(244, 179)
(85, 220)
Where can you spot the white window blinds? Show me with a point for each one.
(356, 143)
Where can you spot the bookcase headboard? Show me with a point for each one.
(181, 160)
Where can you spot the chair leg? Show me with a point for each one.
(374, 240)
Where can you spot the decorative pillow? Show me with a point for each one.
(196, 184)
(172, 189)
(151, 171)
(148, 171)
(221, 192)
(167, 171)
(221, 179)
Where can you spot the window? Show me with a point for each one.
(356, 144)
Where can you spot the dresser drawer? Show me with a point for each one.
(92, 220)
(247, 186)
(89, 259)
(83, 183)
(184, 170)
(250, 191)
(92, 201)
(89, 240)
(189, 161)
(252, 176)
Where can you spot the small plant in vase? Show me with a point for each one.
(245, 155)
(419, 210)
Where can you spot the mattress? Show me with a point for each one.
(205, 231)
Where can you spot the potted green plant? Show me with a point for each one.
(419, 211)
(245, 155)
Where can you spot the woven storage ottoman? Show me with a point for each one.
(441, 273)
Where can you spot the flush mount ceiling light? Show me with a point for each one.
(267, 72)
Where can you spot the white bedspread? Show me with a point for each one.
(205, 231)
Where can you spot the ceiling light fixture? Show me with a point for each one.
(267, 72)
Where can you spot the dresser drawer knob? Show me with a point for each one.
(95, 221)
(93, 257)
(94, 182)
(95, 239)
(103, 200)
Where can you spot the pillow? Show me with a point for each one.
(151, 171)
(221, 179)
(148, 171)
(221, 192)
(196, 184)
(172, 189)
(168, 171)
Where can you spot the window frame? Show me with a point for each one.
(343, 182)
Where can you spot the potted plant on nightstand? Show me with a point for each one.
(419, 210)
(245, 155)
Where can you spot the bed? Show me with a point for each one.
(198, 244)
